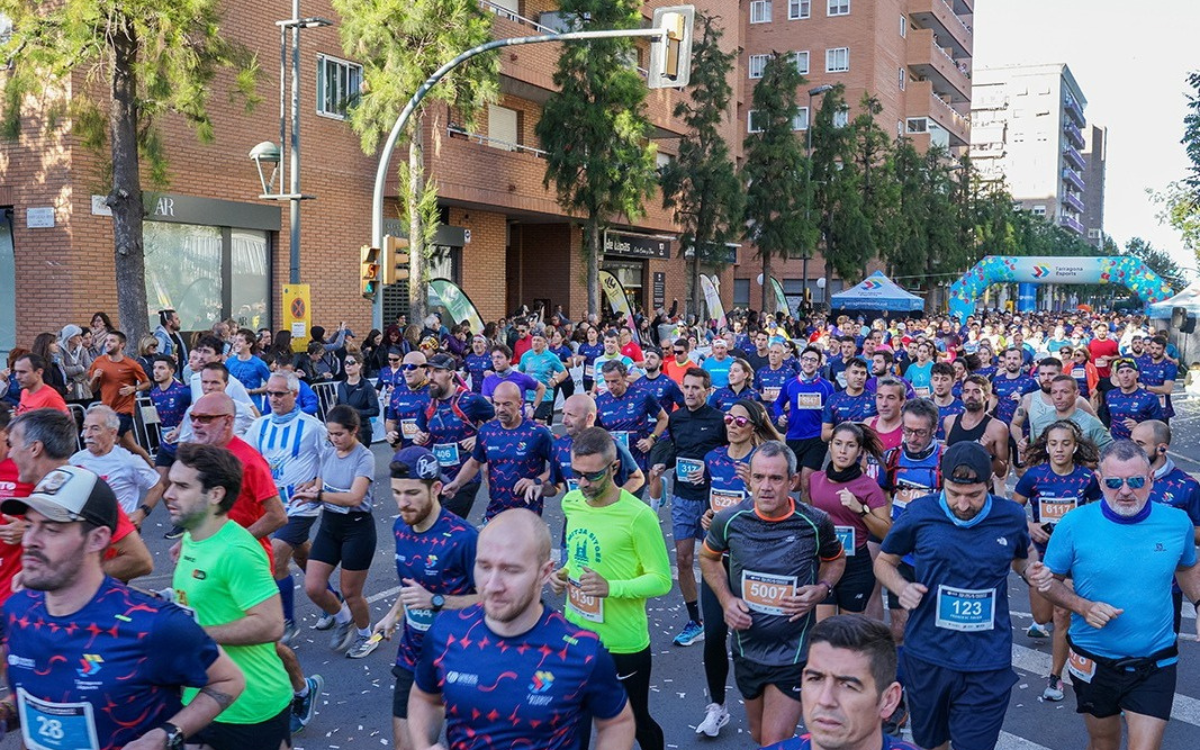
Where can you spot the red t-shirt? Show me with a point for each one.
(1106, 348)
(520, 346)
(633, 351)
(45, 398)
(115, 376)
(125, 527)
(257, 487)
(10, 554)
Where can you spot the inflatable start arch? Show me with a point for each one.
(1127, 271)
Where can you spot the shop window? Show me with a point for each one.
(338, 85)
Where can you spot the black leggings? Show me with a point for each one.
(635, 670)
(716, 637)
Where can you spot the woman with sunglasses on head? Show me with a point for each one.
(1058, 480)
(747, 426)
(356, 392)
(859, 511)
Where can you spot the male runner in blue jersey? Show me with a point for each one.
(509, 671)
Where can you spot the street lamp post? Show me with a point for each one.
(267, 152)
(812, 93)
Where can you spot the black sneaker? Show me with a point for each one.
(897, 720)
(174, 533)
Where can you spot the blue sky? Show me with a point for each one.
(1131, 61)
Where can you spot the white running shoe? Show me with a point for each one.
(715, 717)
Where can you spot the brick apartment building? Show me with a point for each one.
(213, 249)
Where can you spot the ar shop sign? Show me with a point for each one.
(621, 245)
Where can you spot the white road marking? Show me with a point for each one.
(1013, 742)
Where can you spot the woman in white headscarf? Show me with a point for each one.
(76, 360)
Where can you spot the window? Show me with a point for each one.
(741, 292)
(760, 11)
(838, 8)
(338, 85)
(504, 131)
(918, 125)
(758, 63)
(900, 78)
(904, 26)
(841, 118)
(837, 60)
(800, 121)
(802, 62)
(1039, 210)
(798, 9)
(752, 123)
(662, 160)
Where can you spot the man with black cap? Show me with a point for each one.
(957, 657)
(113, 646)
(435, 561)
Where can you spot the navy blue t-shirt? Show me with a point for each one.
(535, 690)
(842, 407)
(512, 455)
(962, 622)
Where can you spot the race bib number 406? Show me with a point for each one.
(765, 592)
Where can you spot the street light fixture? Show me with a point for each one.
(812, 93)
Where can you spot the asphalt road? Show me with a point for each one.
(355, 709)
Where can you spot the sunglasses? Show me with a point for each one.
(592, 476)
(206, 418)
(278, 394)
(1135, 483)
(410, 368)
(393, 359)
(351, 362)
(739, 421)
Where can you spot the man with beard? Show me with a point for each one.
(957, 657)
(118, 379)
(1129, 403)
(170, 342)
(1158, 374)
(1122, 554)
(614, 560)
(458, 677)
(852, 404)
(1011, 384)
(975, 425)
(139, 667)
(435, 561)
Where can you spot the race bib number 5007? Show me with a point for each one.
(765, 592)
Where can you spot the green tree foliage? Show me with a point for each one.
(400, 43)
(874, 158)
(1158, 261)
(595, 129)
(147, 59)
(778, 210)
(701, 185)
(838, 204)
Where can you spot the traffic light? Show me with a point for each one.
(395, 259)
(369, 270)
(671, 55)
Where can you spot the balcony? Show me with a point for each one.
(1074, 134)
(1071, 177)
(1074, 157)
(1072, 224)
(939, 16)
(1074, 111)
(923, 102)
(930, 62)
(1071, 200)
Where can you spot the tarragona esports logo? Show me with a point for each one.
(541, 682)
(90, 665)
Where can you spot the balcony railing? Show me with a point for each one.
(1073, 202)
(1074, 133)
(503, 12)
(1071, 224)
(1074, 157)
(1072, 177)
(1075, 111)
(454, 131)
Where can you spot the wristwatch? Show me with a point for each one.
(866, 511)
(437, 602)
(175, 738)
(145, 509)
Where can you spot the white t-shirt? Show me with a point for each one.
(234, 389)
(128, 475)
(294, 450)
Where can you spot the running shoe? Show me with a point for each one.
(324, 622)
(305, 708)
(715, 717)
(895, 723)
(343, 636)
(1054, 689)
(174, 533)
(691, 633)
(290, 631)
(1037, 631)
(363, 646)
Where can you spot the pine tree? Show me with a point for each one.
(595, 130)
(702, 184)
(838, 200)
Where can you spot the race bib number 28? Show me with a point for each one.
(56, 726)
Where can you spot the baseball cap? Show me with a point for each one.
(68, 494)
(970, 456)
(417, 463)
(442, 361)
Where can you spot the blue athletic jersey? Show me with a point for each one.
(1056, 494)
(1080, 374)
(724, 398)
(962, 622)
(630, 417)
(842, 407)
(511, 455)
(987, 371)
(664, 390)
(951, 409)
(560, 467)
(1129, 566)
(404, 407)
(1159, 373)
(122, 659)
(769, 383)
(1140, 406)
(447, 429)
(171, 405)
(253, 373)
(589, 352)
(1178, 489)
(805, 401)
(718, 369)
(804, 742)
(388, 376)
(442, 560)
(536, 690)
(1005, 388)
(725, 487)
(476, 365)
(921, 377)
(541, 367)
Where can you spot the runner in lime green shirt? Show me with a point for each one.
(615, 559)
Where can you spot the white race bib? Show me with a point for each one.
(966, 610)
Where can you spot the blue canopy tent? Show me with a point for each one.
(1188, 299)
(877, 292)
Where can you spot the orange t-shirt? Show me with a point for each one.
(675, 371)
(115, 376)
(45, 398)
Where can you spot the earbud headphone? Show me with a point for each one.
(1162, 449)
